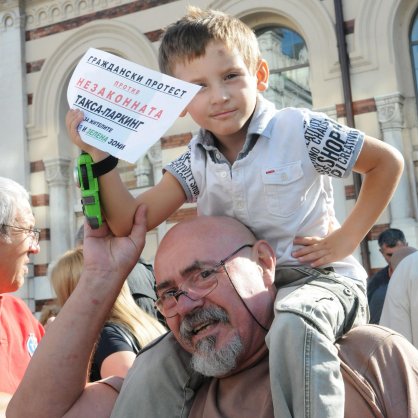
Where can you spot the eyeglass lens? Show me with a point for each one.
(32, 232)
(198, 286)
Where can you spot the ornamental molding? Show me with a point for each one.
(10, 16)
(390, 111)
(43, 13)
(154, 154)
(57, 171)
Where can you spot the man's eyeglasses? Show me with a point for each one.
(199, 284)
(32, 232)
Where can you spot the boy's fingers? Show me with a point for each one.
(74, 117)
(306, 240)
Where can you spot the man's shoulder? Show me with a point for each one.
(13, 305)
(168, 336)
(379, 278)
(16, 313)
(9, 301)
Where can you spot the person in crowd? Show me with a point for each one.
(48, 313)
(20, 332)
(389, 241)
(219, 281)
(271, 169)
(141, 282)
(400, 310)
(127, 328)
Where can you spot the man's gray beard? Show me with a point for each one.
(211, 362)
(207, 360)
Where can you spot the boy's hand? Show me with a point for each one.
(321, 251)
(73, 118)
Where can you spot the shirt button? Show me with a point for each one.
(218, 155)
(223, 174)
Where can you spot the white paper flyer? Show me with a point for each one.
(127, 107)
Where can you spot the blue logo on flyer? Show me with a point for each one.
(31, 344)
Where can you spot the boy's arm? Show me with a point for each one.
(381, 165)
(118, 204)
(55, 380)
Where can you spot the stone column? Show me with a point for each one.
(57, 176)
(13, 97)
(390, 115)
(143, 172)
(154, 155)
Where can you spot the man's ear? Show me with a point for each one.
(262, 75)
(266, 259)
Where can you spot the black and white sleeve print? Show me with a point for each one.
(181, 169)
(333, 148)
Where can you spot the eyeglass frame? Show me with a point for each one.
(212, 270)
(34, 233)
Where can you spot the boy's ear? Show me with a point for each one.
(262, 75)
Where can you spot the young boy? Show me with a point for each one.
(270, 170)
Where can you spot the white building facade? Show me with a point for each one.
(356, 60)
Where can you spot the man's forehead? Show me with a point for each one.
(184, 247)
(24, 214)
(204, 240)
(389, 250)
(169, 270)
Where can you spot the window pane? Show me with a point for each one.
(414, 53)
(415, 63)
(287, 56)
(414, 34)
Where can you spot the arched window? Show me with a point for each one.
(414, 52)
(287, 56)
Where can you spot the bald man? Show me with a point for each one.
(215, 283)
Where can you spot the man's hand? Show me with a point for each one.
(104, 252)
(321, 251)
(61, 360)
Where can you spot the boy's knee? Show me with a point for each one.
(287, 331)
(314, 305)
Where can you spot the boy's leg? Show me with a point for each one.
(159, 384)
(304, 367)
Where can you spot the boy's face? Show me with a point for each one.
(228, 95)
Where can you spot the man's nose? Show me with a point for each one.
(34, 247)
(185, 304)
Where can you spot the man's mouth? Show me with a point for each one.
(196, 323)
(202, 327)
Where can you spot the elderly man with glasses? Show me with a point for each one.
(215, 283)
(20, 332)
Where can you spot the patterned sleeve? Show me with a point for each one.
(182, 171)
(333, 148)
